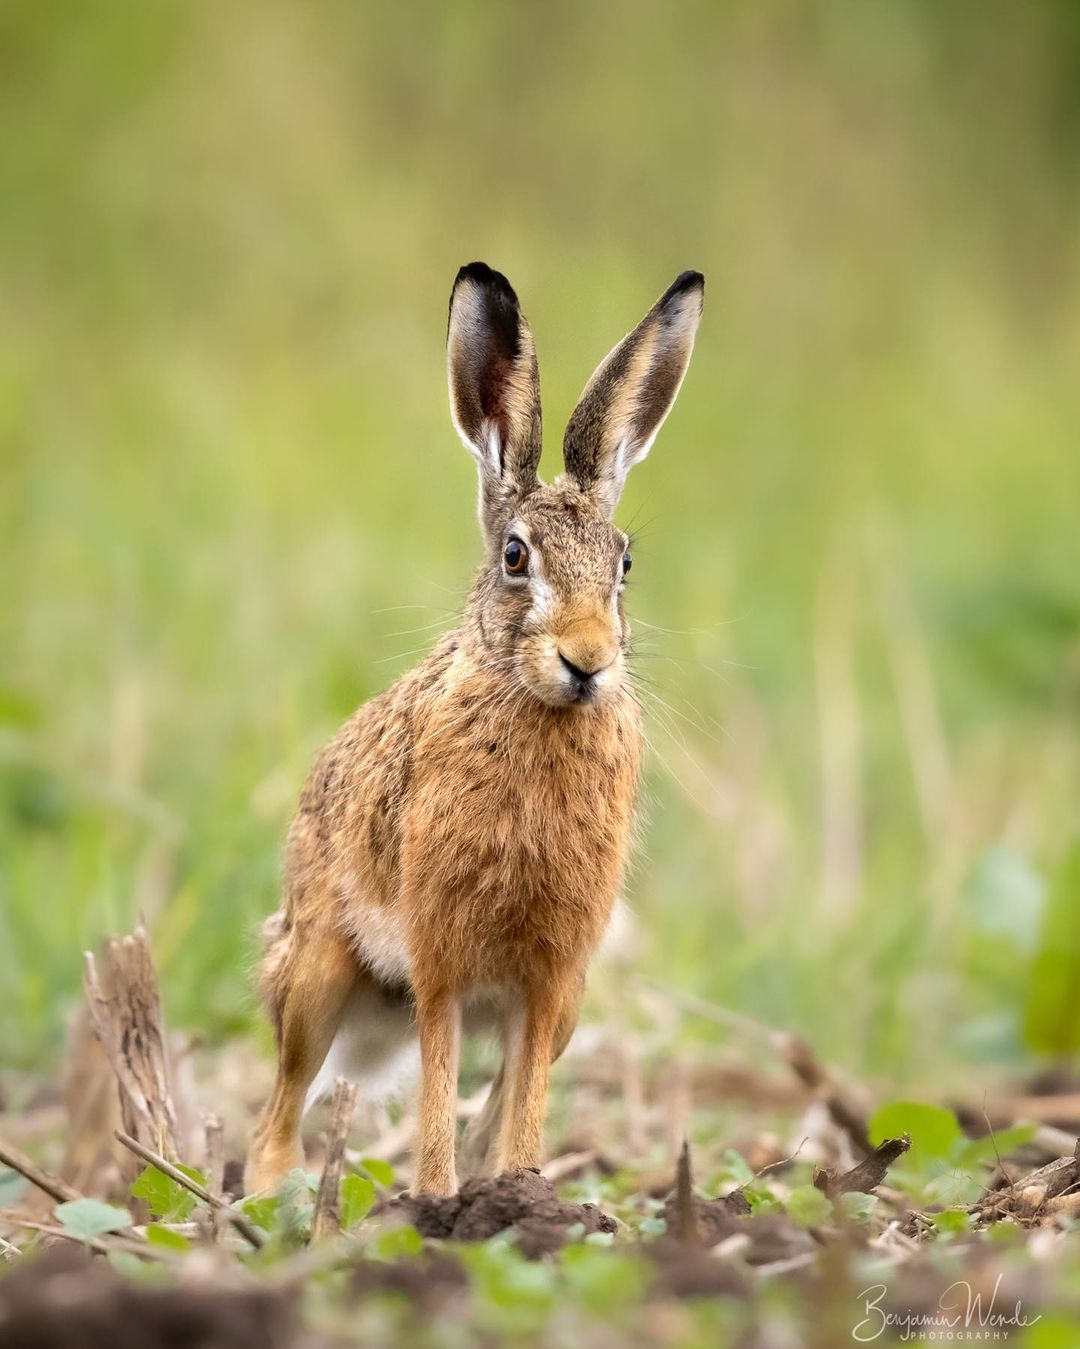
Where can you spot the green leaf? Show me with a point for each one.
(734, 1167)
(807, 1206)
(514, 1295)
(951, 1188)
(857, 1207)
(297, 1185)
(89, 1218)
(295, 1208)
(382, 1173)
(760, 1197)
(164, 1197)
(262, 1209)
(398, 1241)
(951, 1220)
(1052, 1016)
(127, 1263)
(605, 1281)
(12, 1187)
(157, 1235)
(357, 1197)
(935, 1131)
(998, 1144)
(1053, 1330)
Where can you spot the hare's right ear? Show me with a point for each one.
(631, 392)
(494, 387)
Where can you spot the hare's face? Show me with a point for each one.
(547, 608)
(553, 602)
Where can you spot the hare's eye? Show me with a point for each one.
(627, 562)
(516, 557)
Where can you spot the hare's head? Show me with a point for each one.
(547, 606)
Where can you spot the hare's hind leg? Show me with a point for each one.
(476, 1144)
(486, 1146)
(307, 984)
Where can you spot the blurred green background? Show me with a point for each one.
(233, 506)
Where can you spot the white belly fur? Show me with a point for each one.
(376, 934)
(376, 1045)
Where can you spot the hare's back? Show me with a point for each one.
(345, 841)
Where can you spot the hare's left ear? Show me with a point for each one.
(494, 387)
(632, 391)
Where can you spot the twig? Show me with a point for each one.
(240, 1221)
(326, 1220)
(1054, 1141)
(103, 1244)
(214, 1132)
(8, 1251)
(787, 1266)
(997, 1154)
(54, 1186)
(569, 1164)
(781, 1163)
(686, 1223)
(1047, 1183)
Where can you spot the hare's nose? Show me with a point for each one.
(580, 672)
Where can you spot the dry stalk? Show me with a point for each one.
(327, 1217)
(214, 1132)
(686, 1224)
(129, 1026)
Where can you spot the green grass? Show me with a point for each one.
(230, 492)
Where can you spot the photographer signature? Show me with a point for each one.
(959, 1308)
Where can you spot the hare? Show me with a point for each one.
(460, 843)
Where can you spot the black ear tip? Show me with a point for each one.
(483, 275)
(685, 281)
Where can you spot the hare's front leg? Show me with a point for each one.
(438, 1018)
(307, 1000)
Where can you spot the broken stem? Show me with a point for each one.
(686, 1221)
(326, 1220)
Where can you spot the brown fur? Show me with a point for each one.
(465, 833)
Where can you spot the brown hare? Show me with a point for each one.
(460, 844)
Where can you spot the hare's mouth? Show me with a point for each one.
(559, 681)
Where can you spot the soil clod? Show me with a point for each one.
(522, 1200)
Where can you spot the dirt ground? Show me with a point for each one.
(752, 1196)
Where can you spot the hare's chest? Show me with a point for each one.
(520, 845)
